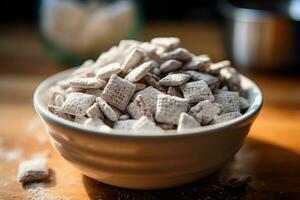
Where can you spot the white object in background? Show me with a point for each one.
(85, 28)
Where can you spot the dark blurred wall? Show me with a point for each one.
(181, 9)
(18, 10)
(26, 11)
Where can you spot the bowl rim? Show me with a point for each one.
(43, 112)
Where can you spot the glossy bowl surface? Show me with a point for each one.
(148, 160)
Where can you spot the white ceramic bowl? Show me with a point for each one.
(148, 160)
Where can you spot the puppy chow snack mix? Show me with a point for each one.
(149, 86)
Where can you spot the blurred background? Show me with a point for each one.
(255, 35)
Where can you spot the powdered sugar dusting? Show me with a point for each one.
(35, 128)
(13, 155)
(3, 183)
(1, 143)
(34, 124)
(40, 155)
(38, 191)
(41, 137)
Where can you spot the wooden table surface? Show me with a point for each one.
(270, 154)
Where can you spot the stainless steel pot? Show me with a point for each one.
(263, 38)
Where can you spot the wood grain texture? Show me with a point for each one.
(270, 155)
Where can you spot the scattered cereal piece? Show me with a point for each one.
(166, 42)
(225, 117)
(216, 67)
(155, 71)
(124, 124)
(84, 71)
(33, 170)
(95, 122)
(80, 119)
(146, 111)
(180, 54)
(170, 65)
(152, 82)
(108, 70)
(87, 83)
(94, 112)
(108, 122)
(196, 91)
(111, 56)
(77, 103)
(118, 92)
(73, 89)
(56, 111)
(229, 100)
(117, 111)
(172, 91)
(232, 78)
(138, 108)
(128, 44)
(174, 79)
(205, 111)
(200, 63)
(168, 108)
(149, 96)
(133, 59)
(56, 89)
(139, 86)
(107, 110)
(59, 100)
(186, 122)
(197, 76)
(95, 92)
(145, 124)
(140, 71)
(64, 83)
(52, 96)
(148, 48)
(244, 103)
(166, 126)
(134, 110)
(88, 63)
(225, 90)
(124, 117)
(56, 98)
(157, 78)
(155, 56)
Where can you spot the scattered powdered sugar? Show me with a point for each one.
(3, 183)
(13, 154)
(1, 143)
(35, 127)
(34, 124)
(40, 155)
(38, 191)
(42, 137)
